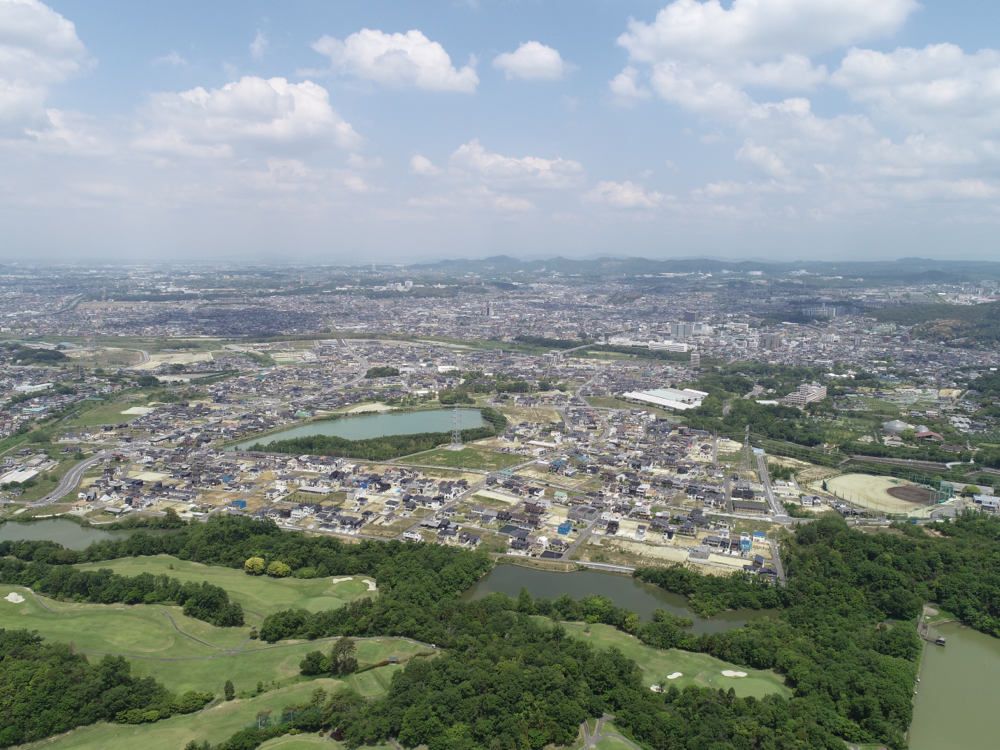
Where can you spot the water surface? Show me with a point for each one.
(624, 591)
(68, 534)
(377, 425)
(956, 695)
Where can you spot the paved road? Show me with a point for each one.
(70, 481)
(364, 363)
(599, 734)
(776, 558)
(777, 509)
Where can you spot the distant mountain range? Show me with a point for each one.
(904, 270)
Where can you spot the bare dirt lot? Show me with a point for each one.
(910, 494)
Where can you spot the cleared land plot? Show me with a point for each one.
(255, 593)
(102, 412)
(873, 492)
(467, 458)
(179, 358)
(518, 414)
(696, 669)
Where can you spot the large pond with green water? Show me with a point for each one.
(957, 692)
(624, 591)
(377, 425)
(68, 534)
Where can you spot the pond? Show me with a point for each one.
(377, 425)
(956, 695)
(624, 591)
(68, 534)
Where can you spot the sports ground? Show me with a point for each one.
(881, 494)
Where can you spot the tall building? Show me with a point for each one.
(681, 331)
(770, 341)
(691, 317)
(695, 360)
(807, 394)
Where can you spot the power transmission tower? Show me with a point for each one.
(745, 465)
(456, 432)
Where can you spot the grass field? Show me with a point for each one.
(255, 593)
(103, 412)
(302, 742)
(216, 724)
(467, 458)
(612, 743)
(697, 669)
(157, 650)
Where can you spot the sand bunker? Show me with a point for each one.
(14, 598)
(675, 675)
(731, 673)
(341, 580)
(371, 584)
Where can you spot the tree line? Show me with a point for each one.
(203, 602)
(46, 689)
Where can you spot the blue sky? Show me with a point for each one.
(397, 131)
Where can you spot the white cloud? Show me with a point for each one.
(762, 158)
(529, 172)
(357, 161)
(532, 60)
(513, 203)
(38, 47)
(760, 30)
(422, 165)
(172, 59)
(397, 60)
(272, 114)
(625, 195)
(626, 85)
(937, 87)
(259, 45)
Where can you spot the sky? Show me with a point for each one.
(401, 131)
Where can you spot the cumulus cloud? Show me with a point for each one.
(38, 48)
(423, 166)
(394, 60)
(532, 60)
(760, 30)
(625, 195)
(626, 85)
(703, 56)
(930, 88)
(529, 172)
(272, 114)
(762, 158)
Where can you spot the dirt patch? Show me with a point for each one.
(911, 494)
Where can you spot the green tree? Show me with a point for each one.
(254, 566)
(312, 664)
(229, 690)
(420, 726)
(524, 602)
(969, 490)
(278, 569)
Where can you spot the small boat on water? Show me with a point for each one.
(941, 640)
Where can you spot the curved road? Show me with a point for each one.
(70, 481)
